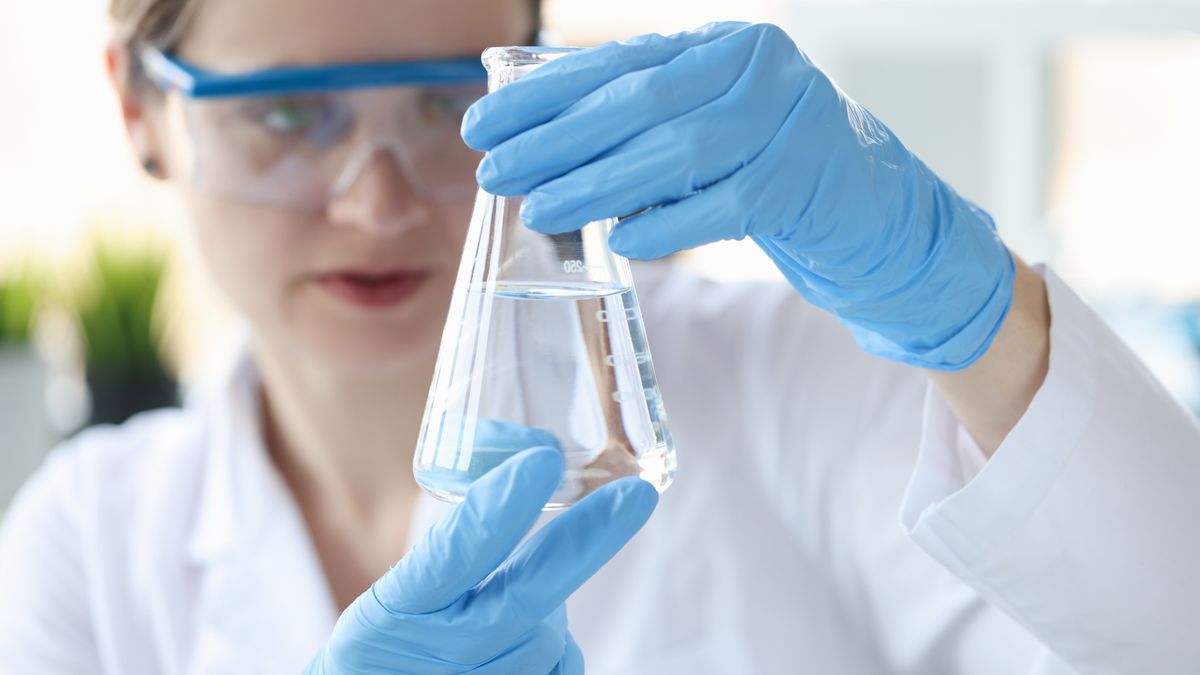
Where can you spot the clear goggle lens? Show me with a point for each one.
(302, 150)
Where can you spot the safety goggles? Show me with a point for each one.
(297, 137)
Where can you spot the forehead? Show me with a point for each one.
(252, 34)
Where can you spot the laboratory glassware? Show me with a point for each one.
(544, 344)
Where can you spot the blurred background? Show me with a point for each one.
(1073, 123)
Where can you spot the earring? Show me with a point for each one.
(151, 166)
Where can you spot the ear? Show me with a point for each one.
(141, 110)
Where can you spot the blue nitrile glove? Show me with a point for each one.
(463, 601)
(731, 131)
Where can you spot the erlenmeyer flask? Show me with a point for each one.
(543, 345)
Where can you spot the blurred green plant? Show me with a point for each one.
(115, 306)
(21, 293)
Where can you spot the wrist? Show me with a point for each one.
(933, 295)
(992, 395)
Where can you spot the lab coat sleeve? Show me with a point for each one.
(1082, 526)
(44, 625)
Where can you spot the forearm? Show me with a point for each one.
(991, 395)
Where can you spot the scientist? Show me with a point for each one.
(919, 455)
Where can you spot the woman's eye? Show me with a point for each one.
(289, 116)
(440, 106)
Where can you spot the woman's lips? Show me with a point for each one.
(372, 290)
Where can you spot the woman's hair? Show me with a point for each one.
(161, 23)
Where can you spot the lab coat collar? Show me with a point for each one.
(236, 466)
(263, 602)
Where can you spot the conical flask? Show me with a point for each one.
(543, 345)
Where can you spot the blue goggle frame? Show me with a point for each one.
(171, 72)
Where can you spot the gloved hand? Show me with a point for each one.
(730, 131)
(463, 601)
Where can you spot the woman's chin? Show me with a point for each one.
(374, 348)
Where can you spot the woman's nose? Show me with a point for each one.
(379, 197)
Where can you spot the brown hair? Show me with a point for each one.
(161, 23)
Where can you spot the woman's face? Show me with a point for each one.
(362, 283)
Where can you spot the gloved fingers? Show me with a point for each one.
(366, 641)
(674, 159)
(616, 112)
(549, 90)
(753, 200)
(468, 544)
(661, 166)
(557, 559)
(572, 659)
(558, 619)
(702, 218)
(538, 651)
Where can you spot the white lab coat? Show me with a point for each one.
(830, 516)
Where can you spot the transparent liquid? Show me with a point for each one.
(564, 365)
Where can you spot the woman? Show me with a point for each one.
(1048, 476)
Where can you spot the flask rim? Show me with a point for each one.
(498, 58)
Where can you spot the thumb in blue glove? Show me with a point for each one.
(463, 600)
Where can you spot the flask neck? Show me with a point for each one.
(506, 65)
